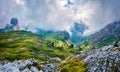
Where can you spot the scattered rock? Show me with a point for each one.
(29, 65)
(19, 66)
(105, 59)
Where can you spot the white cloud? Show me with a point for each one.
(61, 2)
(63, 18)
(19, 2)
(3, 13)
(53, 15)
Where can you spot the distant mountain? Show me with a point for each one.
(111, 30)
(58, 35)
(106, 36)
(43, 32)
(109, 34)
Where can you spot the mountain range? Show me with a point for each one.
(49, 51)
(107, 35)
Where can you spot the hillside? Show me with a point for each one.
(108, 35)
(24, 45)
(100, 52)
(104, 59)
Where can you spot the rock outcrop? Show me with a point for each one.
(30, 65)
(106, 36)
(105, 59)
(19, 66)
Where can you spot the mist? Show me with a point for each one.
(59, 15)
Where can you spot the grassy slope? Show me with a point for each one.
(73, 64)
(24, 45)
(90, 44)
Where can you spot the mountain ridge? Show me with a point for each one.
(106, 36)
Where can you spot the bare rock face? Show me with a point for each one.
(105, 59)
(106, 36)
(51, 65)
(19, 66)
(29, 65)
(112, 29)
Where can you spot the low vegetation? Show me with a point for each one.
(24, 45)
(73, 64)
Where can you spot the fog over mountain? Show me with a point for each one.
(59, 15)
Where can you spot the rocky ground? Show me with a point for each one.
(105, 59)
(30, 65)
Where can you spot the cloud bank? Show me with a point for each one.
(59, 15)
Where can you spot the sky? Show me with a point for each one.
(60, 15)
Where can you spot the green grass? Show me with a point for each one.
(74, 64)
(107, 41)
(23, 45)
(89, 44)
